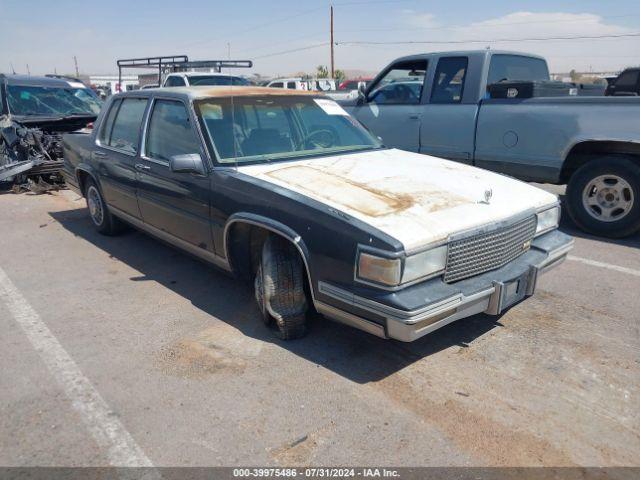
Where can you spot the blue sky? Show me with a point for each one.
(46, 34)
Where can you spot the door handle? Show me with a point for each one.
(140, 167)
(99, 153)
(415, 117)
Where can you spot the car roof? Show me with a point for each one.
(32, 81)
(202, 92)
(468, 53)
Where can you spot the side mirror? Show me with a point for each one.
(189, 163)
(362, 96)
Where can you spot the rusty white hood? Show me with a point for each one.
(417, 199)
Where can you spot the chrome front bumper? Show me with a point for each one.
(490, 293)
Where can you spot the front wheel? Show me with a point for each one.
(604, 197)
(279, 289)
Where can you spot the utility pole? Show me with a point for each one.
(28, 71)
(13, 70)
(75, 62)
(332, 59)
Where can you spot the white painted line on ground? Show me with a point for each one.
(594, 263)
(107, 430)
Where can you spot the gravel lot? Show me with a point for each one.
(123, 350)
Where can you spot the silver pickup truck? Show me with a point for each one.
(438, 104)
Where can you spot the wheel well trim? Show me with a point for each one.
(580, 141)
(570, 150)
(275, 227)
(85, 169)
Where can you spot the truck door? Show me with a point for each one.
(392, 109)
(176, 203)
(448, 121)
(116, 151)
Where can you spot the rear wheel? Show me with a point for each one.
(279, 289)
(604, 197)
(100, 215)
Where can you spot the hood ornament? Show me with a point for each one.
(487, 196)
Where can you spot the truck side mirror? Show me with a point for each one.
(362, 96)
(189, 163)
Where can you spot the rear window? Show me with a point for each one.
(517, 67)
(216, 80)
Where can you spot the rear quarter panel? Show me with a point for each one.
(530, 139)
(77, 153)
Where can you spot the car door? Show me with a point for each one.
(116, 151)
(448, 122)
(175, 203)
(392, 108)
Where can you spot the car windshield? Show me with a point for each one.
(51, 101)
(217, 80)
(272, 127)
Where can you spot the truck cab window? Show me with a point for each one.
(517, 67)
(175, 82)
(401, 85)
(448, 84)
(170, 131)
(125, 133)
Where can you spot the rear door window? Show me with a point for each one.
(449, 81)
(170, 132)
(107, 124)
(125, 133)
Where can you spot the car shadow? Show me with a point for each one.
(351, 353)
(570, 228)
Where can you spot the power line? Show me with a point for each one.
(449, 42)
(275, 54)
(255, 27)
(486, 25)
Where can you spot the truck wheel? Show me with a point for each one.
(279, 289)
(604, 196)
(100, 215)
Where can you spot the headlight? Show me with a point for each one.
(548, 220)
(425, 264)
(380, 270)
(396, 271)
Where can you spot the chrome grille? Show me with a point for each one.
(490, 250)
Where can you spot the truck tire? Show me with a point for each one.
(279, 289)
(102, 218)
(604, 196)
